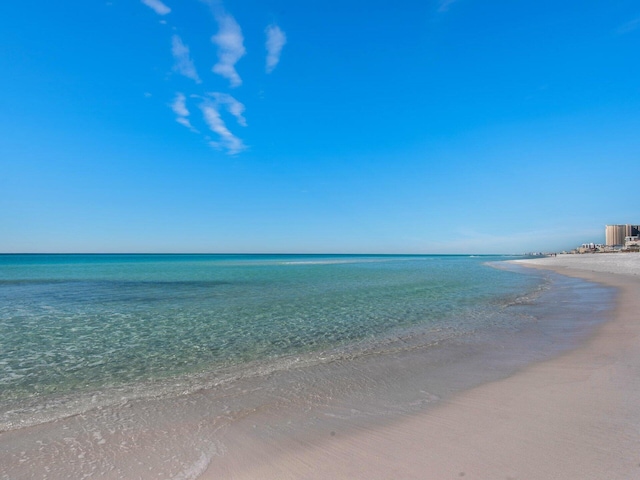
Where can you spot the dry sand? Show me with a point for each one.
(575, 416)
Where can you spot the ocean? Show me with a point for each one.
(96, 337)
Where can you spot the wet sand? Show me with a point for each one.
(574, 416)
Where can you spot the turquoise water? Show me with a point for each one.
(73, 326)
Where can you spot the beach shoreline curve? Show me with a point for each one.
(576, 415)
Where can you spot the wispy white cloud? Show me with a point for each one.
(183, 62)
(233, 106)
(179, 107)
(230, 43)
(445, 4)
(157, 6)
(629, 26)
(228, 140)
(276, 39)
(212, 107)
(185, 121)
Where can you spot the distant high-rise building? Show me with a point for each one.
(615, 234)
(631, 230)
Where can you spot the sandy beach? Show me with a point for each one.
(574, 416)
(557, 397)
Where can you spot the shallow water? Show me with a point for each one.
(149, 362)
(73, 326)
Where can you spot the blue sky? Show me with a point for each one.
(433, 126)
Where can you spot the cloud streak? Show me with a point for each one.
(233, 106)
(215, 123)
(157, 6)
(183, 63)
(276, 39)
(230, 43)
(211, 109)
(179, 107)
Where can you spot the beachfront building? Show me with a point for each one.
(632, 243)
(587, 248)
(615, 234)
(591, 248)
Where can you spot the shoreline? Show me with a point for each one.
(575, 415)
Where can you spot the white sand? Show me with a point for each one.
(575, 416)
(619, 263)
